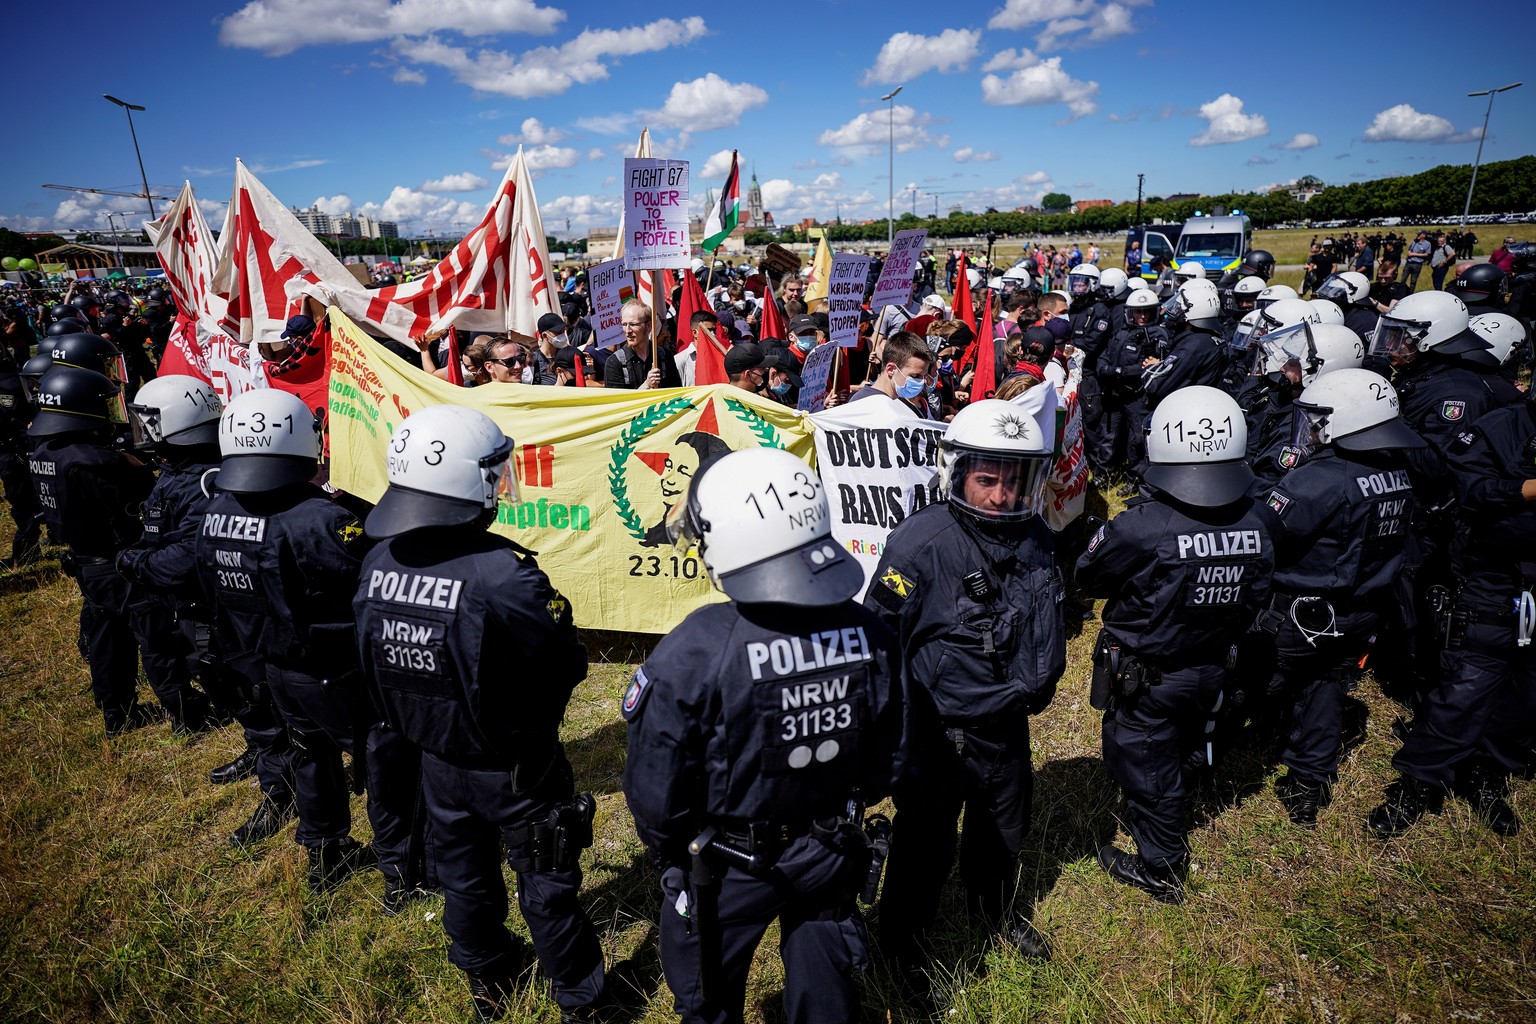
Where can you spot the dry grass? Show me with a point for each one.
(120, 900)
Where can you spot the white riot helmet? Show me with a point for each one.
(1196, 442)
(1345, 288)
(1141, 307)
(995, 456)
(448, 466)
(1285, 313)
(1198, 284)
(1274, 293)
(1242, 335)
(1504, 334)
(996, 283)
(1082, 280)
(1017, 276)
(269, 439)
(1316, 349)
(1113, 284)
(1136, 284)
(1193, 306)
(1428, 321)
(176, 409)
(974, 277)
(1327, 312)
(1245, 293)
(760, 522)
(1189, 270)
(1353, 409)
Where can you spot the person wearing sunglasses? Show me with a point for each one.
(506, 363)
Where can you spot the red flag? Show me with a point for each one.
(581, 377)
(963, 308)
(984, 383)
(771, 324)
(709, 362)
(455, 363)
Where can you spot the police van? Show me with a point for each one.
(1216, 243)
(1156, 240)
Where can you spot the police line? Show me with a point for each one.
(598, 469)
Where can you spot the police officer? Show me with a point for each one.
(90, 494)
(1120, 369)
(1484, 288)
(1091, 330)
(1186, 568)
(281, 561)
(1258, 263)
(433, 596)
(970, 586)
(757, 734)
(1278, 436)
(1196, 357)
(1474, 728)
(15, 474)
(177, 419)
(1350, 290)
(1344, 515)
(1277, 346)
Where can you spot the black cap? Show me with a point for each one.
(802, 324)
(554, 323)
(741, 358)
(779, 358)
(299, 326)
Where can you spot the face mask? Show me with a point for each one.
(946, 365)
(910, 388)
(805, 342)
(559, 340)
(781, 388)
(527, 375)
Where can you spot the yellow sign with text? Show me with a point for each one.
(597, 470)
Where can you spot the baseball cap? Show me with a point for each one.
(298, 326)
(780, 359)
(746, 356)
(552, 322)
(802, 324)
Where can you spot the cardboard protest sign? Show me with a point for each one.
(655, 214)
(604, 283)
(816, 378)
(880, 464)
(895, 284)
(845, 294)
(780, 261)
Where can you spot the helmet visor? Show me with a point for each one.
(1396, 337)
(999, 488)
(1173, 309)
(1080, 284)
(1141, 316)
(1334, 289)
(500, 480)
(148, 428)
(1309, 427)
(1282, 346)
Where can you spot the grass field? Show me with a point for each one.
(120, 899)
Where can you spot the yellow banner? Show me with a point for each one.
(596, 470)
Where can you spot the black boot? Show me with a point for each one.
(120, 721)
(192, 715)
(1302, 797)
(492, 996)
(398, 892)
(1407, 801)
(265, 822)
(1162, 884)
(1023, 936)
(1486, 790)
(333, 860)
(242, 767)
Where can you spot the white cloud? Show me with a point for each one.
(276, 27)
(533, 132)
(1078, 22)
(1402, 123)
(549, 70)
(584, 211)
(465, 181)
(1301, 140)
(597, 153)
(967, 155)
(607, 124)
(1035, 82)
(718, 165)
(538, 158)
(334, 205)
(292, 165)
(1226, 122)
(408, 76)
(906, 55)
(1033, 178)
(870, 131)
(707, 103)
(423, 211)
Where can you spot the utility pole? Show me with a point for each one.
(1490, 93)
(890, 218)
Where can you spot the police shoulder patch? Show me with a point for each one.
(639, 686)
(1278, 501)
(350, 532)
(1463, 441)
(1290, 457)
(557, 607)
(1452, 411)
(1098, 538)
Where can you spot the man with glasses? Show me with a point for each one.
(634, 366)
(506, 362)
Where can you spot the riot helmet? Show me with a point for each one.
(1505, 336)
(1113, 284)
(89, 352)
(1353, 409)
(1274, 293)
(1196, 446)
(995, 457)
(1481, 284)
(269, 439)
(1328, 312)
(448, 466)
(70, 400)
(1346, 288)
(1141, 308)
(1246, 292)
(1428, 321)
(175, 410)
(1082, 282)
(1259, 263)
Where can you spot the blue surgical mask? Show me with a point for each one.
(805, 342)
(911, 387)
(946, 366)
(781, 388)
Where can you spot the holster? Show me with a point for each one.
(1118, 675)
(877, 833)
(555, 844)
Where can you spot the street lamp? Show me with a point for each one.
(890, 211)
(1490, 93)
(117, 239)
(129, 108)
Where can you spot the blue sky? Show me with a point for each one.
(408, 110)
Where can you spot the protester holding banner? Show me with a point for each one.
(638, 364)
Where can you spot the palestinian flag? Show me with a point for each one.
(725, 214)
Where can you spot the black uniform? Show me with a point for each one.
(90, 496)
(1196, 358)
(1091, 330)
(1344, 519)
(1483, 713)
(1361, 317)
(1119, 371)
(15, 474)
(774, 732)
(473, 656)
(978, 611)
(282, 568)
(1183, 585)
